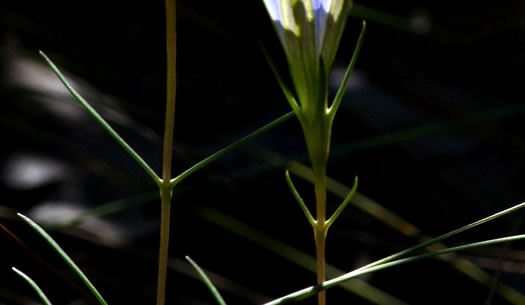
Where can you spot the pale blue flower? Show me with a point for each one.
(310, 31)
(314, 23)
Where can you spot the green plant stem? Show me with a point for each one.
(170, 90)
(165, 198)
(320, 228)
(320, 246)
(165, 186)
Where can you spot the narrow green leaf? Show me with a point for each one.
(341, 207)
(300, 200)
(339, 96)
(207, 281)
(287, 93)
(33, 285)
(66, 257)
(230, 147)
(102, 122)
(313, 290)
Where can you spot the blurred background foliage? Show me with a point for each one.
(431, 124)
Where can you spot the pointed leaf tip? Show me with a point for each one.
(43, 55)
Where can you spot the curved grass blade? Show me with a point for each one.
(102, 122)
(230, 147)
(66, 257)
(444, 236)
(313, 290)
(33, 285)
(207, 281)
(80, 290)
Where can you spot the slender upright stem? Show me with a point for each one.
(320, 245)
(316, 128)
(165, 195)
(165, 187)
(320, 228)
(170, 90)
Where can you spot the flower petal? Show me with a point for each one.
(274, 10)
(303, 58)
(321, 9)
(335, 25)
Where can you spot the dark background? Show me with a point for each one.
(432, 124)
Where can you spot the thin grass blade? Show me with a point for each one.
(32, 283)
(444, 236)
(66, 257)
(207, 281)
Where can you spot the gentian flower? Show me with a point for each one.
(310, 31)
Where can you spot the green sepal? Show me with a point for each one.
(339, 96)
(287, 93)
